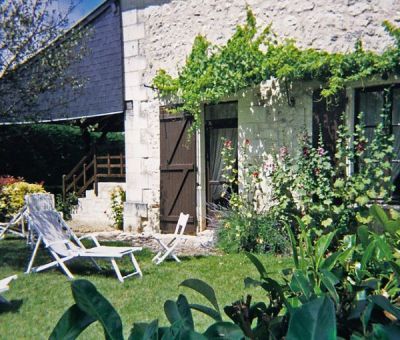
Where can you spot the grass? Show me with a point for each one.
(39, 300)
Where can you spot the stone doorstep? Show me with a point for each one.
(202, 244)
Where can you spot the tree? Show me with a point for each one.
(37, 50)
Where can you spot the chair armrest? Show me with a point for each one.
(92, 237)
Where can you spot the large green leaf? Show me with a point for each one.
(363, 235)
(72, 323)
(385, 252)
(379, 214)
(385, 304)
(313, 321)
(204, 289)
(207, 310)
(367, 255)
(144, 331)
(293, 244)
(260, 267)
(386, 332)
(322, 245)
(224, 330)
(301, 284)
(330, 280)
(179, 311)
(330, 261)
(90, 301)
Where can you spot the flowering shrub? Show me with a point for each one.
(7, 180)
(118, 197)
(12, 197)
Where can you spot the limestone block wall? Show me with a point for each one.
(159, 34)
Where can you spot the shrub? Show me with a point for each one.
(118, 197)
(351, 293)
(12, 197)
(68, 205)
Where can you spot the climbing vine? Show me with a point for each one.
(250, 56)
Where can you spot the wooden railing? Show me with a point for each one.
(91, 170)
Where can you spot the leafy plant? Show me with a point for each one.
(251, 56)
(68, 205)
(118, 197)
(12, 197)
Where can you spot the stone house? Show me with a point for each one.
(166, 174)
(159, 34)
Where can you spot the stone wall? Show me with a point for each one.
(159, 34)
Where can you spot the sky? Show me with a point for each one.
(83, 8)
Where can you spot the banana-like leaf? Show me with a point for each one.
(90, 301)
(330, 261)
(379, 214)
(313, 321)
(204, 289)
(260, 267)
(363, 235)
(368, 254)
(179, 312)
(322, 245)
(207, 310)
(385, 304)
(384, 248)
(330, 280)
(390, 332)
(144, 331)
(301, 284)
(72, 323)
(224, 330)
(293, 244)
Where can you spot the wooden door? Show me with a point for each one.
(178, 171)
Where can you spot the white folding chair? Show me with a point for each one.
(168, 250)
(4, 287)
(33, 202)
(64, 245)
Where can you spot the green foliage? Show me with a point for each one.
(51, 150)
(350, 292)
(118, 197)
(12, 197)
(250, 56)
(244, 224)
(68, 205)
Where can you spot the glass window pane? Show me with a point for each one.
(396, 106)
(371, 105)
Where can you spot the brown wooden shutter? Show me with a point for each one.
(178, 171)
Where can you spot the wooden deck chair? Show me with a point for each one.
(167, 250)
(33, 202)
(4, 287)
(65, 246)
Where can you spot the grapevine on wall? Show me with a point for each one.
(250, 56)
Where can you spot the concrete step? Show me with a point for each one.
(95, 211)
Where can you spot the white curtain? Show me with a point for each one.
(217, 137)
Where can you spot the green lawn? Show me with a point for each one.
(40, 299)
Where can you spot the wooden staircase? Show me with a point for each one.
(91, 170)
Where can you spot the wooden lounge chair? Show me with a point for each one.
(168, 250)
(63, 245)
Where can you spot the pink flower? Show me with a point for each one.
(321, 151)
(255, 174)
(283, 152)
(306, 151)
(247, 141)
(228, 144)
(360, 146)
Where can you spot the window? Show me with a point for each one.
(370, 102)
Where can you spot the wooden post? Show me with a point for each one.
(121, 164)
(108, 165)
(96, 189)
(74, 179)
(63, 187)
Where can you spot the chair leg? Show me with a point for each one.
(136, 265)
(95, 263)
(33, 255)
(116, 269)
(62, 265)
